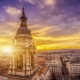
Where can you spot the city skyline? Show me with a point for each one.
(55, 24)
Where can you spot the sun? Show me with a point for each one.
(7, 49)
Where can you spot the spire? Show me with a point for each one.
(23, 14)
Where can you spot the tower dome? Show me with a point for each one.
(23, 30)
(23, 26)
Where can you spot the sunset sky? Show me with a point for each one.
(55, 24)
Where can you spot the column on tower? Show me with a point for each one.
(27, 63)
(30, 63)
(32, 60)
(14, 64)
(24, 65)
(33, 63)
(10, 68)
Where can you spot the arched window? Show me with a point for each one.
(19, 61)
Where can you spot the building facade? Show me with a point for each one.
(56, 67)
(73, 68)
(23, 66)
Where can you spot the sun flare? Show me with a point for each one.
(7, 49)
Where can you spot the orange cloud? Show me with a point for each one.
(49, 2)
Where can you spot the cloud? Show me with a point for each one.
(54, 23)
(39, 3)
(30, 1)
(49, 2)
(2, 18)
(43, 30)
(57, 43)
(13, 24)
(13, 10)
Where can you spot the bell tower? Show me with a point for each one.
(23, 66)
(23, 18)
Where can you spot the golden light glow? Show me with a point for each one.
(42, 37)
(51, 43)
(7, 50)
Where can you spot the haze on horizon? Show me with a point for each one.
(55, 24)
